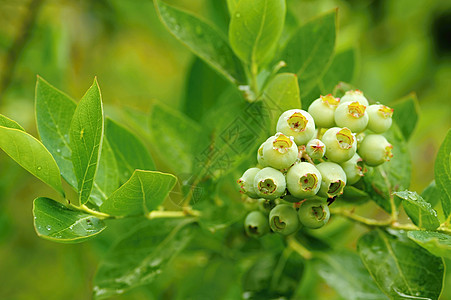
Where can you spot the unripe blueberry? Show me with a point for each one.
(284, 219)
(334, 179)
(265, 205)
(256, 224)
(297, 123)
(353, 168)
(314, 213)
(341, 144)
(354, 95)
(322, 110)
(315, 149)
(375, 150)
(303, 180)
(261, 161)
(352, 115)
(380, 118)
(269, 183)
(246, 182)
(279, 151)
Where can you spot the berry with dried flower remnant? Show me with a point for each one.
(315, 149)
(303, 180)
(256, 224)
(279, 151)
(314, 213)
(380, 118)
(352, 115)
(246, 182)
(284, 219)
(269, 183)
(341, 144)
(354, 95)
(297, 123)
(333, 179)
(375, 150)
(322, 110)
(353, 168)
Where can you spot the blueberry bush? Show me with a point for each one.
(277, 177)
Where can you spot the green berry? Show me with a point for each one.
(314, 213)
(354, 95)
(265, 205)
(297, 123)
(261, 161)
(246, 182)
(269, 183)
(303, 180)
(352, 115)
(315, 149)
(380, 118)
(322, 110)
(334, 179)
(279, 151)
(353, 168)
(284, 219)
(375, 150)
(341, 144)
(256, 224)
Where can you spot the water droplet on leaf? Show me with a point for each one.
(48, 227)
(237, 15)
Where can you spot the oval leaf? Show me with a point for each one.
(442, 171)
(401, 268)
(130, 152)
(54, 111)
(282, 94)
(310, 49)
(255, 28)
(203, 40)
(86, 134)
(437, 243)
(405, 114)
(140, 256)
(420, 211)
(341, 69)
(142, 193)
(55, 222)
(7, 122)
(31, 155)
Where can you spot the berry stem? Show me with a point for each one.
(299, 248)
(186, 212)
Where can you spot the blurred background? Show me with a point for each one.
(404, 46)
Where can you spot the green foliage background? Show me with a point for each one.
(400, 50)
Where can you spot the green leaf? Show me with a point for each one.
(442, 172)
(55, 222)
(130, 152)
(31, 155)
(391, 176)
(7, 122)
(273, 276)
(341, 69)
(437, 243)
(139, 257)
(310, 49)
(231, 5)
(402, 269)
(174, 137)
(431, 194)
(201, 97)
(54, 111)
(203, 40)
(420, 211)
(86, 135)
(107, 176)
(282, 93)
(345, 272)
(353, 195)
(255, 27)
(405, 114)
(142, 193)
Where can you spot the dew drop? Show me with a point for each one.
(48, 227)
(237, 15)
(39, 168)
(58, 150)
(177, 27)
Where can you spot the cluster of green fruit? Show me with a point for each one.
(311, 158)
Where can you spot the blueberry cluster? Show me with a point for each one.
(311, 158)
